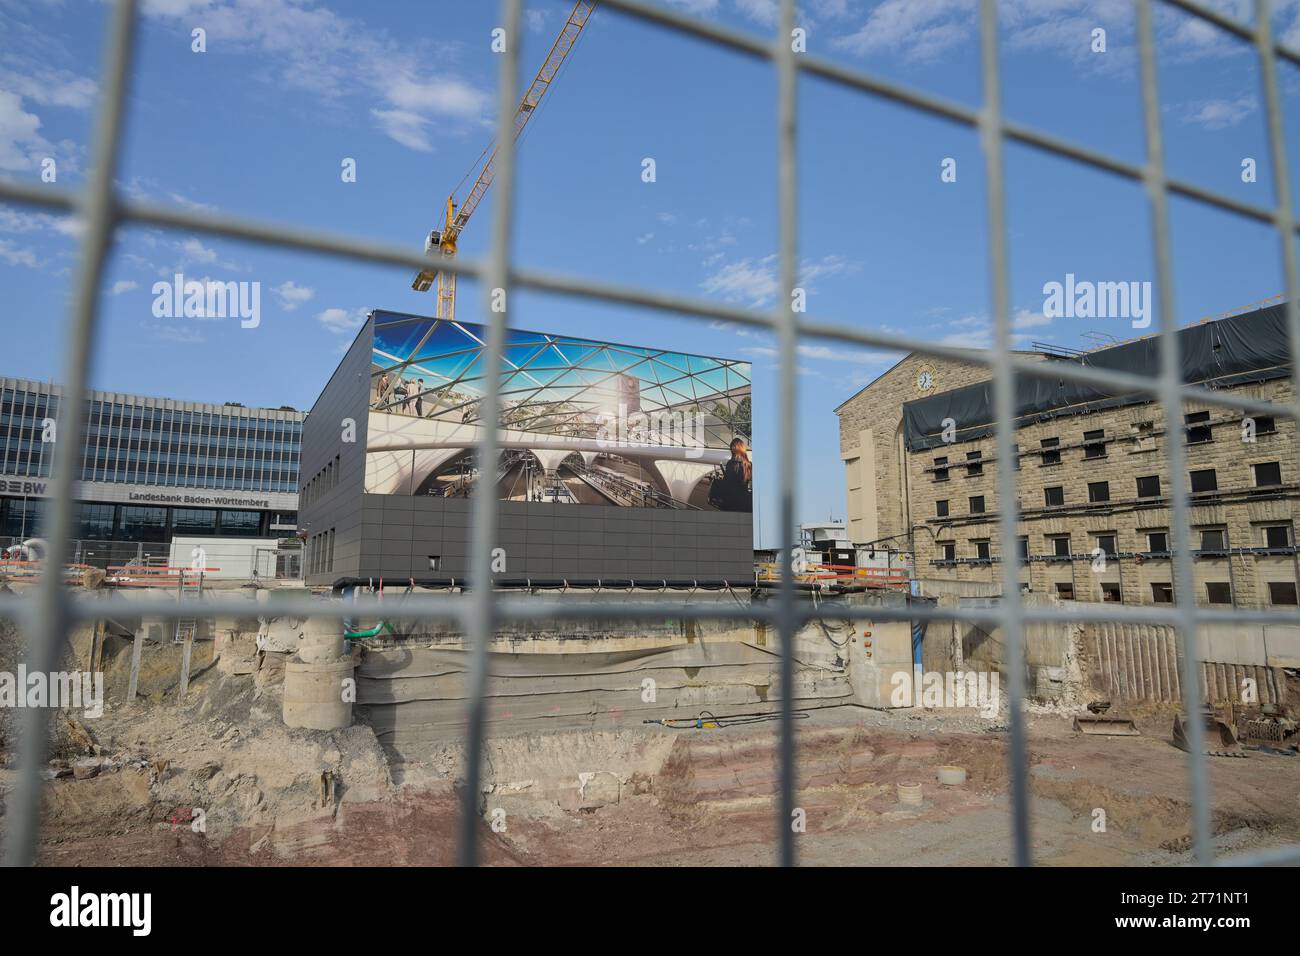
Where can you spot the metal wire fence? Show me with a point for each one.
(52, 610)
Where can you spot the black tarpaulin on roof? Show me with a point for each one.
(1249, 347)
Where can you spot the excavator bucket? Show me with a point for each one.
(1220, 738)
(1109, 725)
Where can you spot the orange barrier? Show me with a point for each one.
(143, 576)
(842, 574)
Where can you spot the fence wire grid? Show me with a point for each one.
(48, 614)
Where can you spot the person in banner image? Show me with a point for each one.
(734, 491)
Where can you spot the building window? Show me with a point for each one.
(1214, 539)
(940, 472)
(1110, 594)
(1098, 491)
(1162, 593)
(1094, 444)
(95, 521)
(1204, 480)
(1022, 547)
(1158, 542)
(941, 508)
(1218, 592)
(241, 523)
(977, 504)
(144, 524)
(1065, 591)
(981, 549)
(1282, 592)
(1265, 425)
(1051, 451)
(1015, 457)
(1149, 486)
(1198, 428)
(1144, 437)
(1054, 496)
(1268, 474)
(949, 550)
(974, 465)
(186, 521)
(1060, 545)
(1277, 536)
(1106, 542)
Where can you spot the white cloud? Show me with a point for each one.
(306, 47)
(754, 282)
(46, 86)
(13, 255)
(642, 240)
(1219, 113)
(22, 147)
(976, 331)
(292, 295)
(195, 251)
(341, 320)
(405, 127)
(826, 353)
(123, 285)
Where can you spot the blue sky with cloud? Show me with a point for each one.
(259, 124)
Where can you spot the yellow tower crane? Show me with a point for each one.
(443, 243)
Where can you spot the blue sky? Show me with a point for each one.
(259, 124)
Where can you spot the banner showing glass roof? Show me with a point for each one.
(554, 384)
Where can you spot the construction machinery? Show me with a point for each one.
(442, 243)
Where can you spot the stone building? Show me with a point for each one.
(1094, 481)
(871, 445)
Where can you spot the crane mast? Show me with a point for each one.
(443, 243)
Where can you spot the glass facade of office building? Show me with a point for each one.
(152, 468)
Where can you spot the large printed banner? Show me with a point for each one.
(581, 422)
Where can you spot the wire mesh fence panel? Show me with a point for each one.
(48, 614)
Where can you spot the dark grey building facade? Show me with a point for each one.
(564, 512)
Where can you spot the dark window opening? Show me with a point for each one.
(949, 550)
(982, 550)
(941, 508)
(977, 504)
(1282, 592)
(1065, 591)
(1051, 452)
(1214, 539)
(1265, 425)
(1198, 428)
(1106, 542)
(1205, 480)
(1218, 592)
(974, 465)
(1094, 444)
(1162, 593)
(940, 473)
(1110, 594)
(1268, 474)
(1098, 491)
(1158, 541)
(1277, 536)
(1054, 496)
(1061, 546)
(1149, 486)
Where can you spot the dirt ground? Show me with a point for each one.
(647, 796)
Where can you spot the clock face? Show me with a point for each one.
(924, 379)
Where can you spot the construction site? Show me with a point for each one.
(520, 616)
